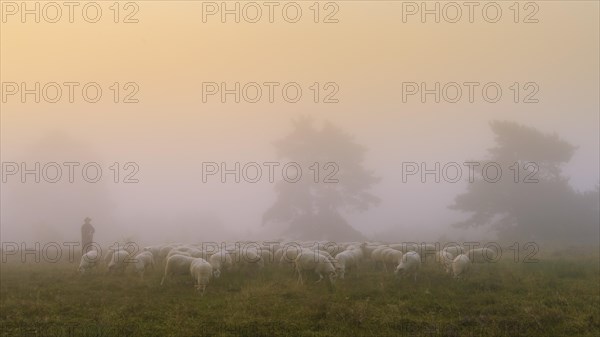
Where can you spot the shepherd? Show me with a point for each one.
(87, 234)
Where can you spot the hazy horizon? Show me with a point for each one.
(369, 53)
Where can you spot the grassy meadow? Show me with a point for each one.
(557, 296)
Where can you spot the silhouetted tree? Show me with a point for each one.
(310, 209)
(540, 204)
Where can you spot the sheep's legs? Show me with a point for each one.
(300, 281)
(200, 286)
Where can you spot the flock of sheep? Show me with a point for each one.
(203, 262)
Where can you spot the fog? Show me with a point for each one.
(370, 56)
(170, 202)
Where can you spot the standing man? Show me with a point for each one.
(87, 234)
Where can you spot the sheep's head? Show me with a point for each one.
(332, 277)
(400, 269)
(217, 273)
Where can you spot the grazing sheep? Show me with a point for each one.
(454, 250)
(327, 255)
(143, 261)
(201, 271)
(409, 264)
(185, 250)
(119, 260)
(164, 251)
(177, 265)
(377, 255)
(198, 253)
(386, 256)
(288, 255)
(176, 251)
(460, 265)
(424, 249)
(359, 250)
(272, 247)
(481, 255)
(251, 260)
(346, 260)
(155, 250)
(406, 247)
(397, 246)
(367, 250)
(108, 256)
(445, 258)
(88, 261)
(391, 257)
(320, 264)
(218, 261)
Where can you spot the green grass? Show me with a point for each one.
(554, 297)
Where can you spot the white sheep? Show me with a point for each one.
(409, 264)
(397, 246)
(164, 251)
(177, 265)
(287, 255)
(108, 256)
(424, 249)
(128, 248)
(88, 261)
(185, 250)
(176, 251)
(359, 249)
(460, 265)
(481, 255)
(201, 271)
(143, 261)
(155, 250)
(454, 250)
(445, 258)
(377, 255)
(386, 256)
(218, 261)
(251, 260)
(391, 257)
(346, 260)
(119, 260)
(367, 250)
(327, 255)
(320, 264)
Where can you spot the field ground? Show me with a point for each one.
(553, 297)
